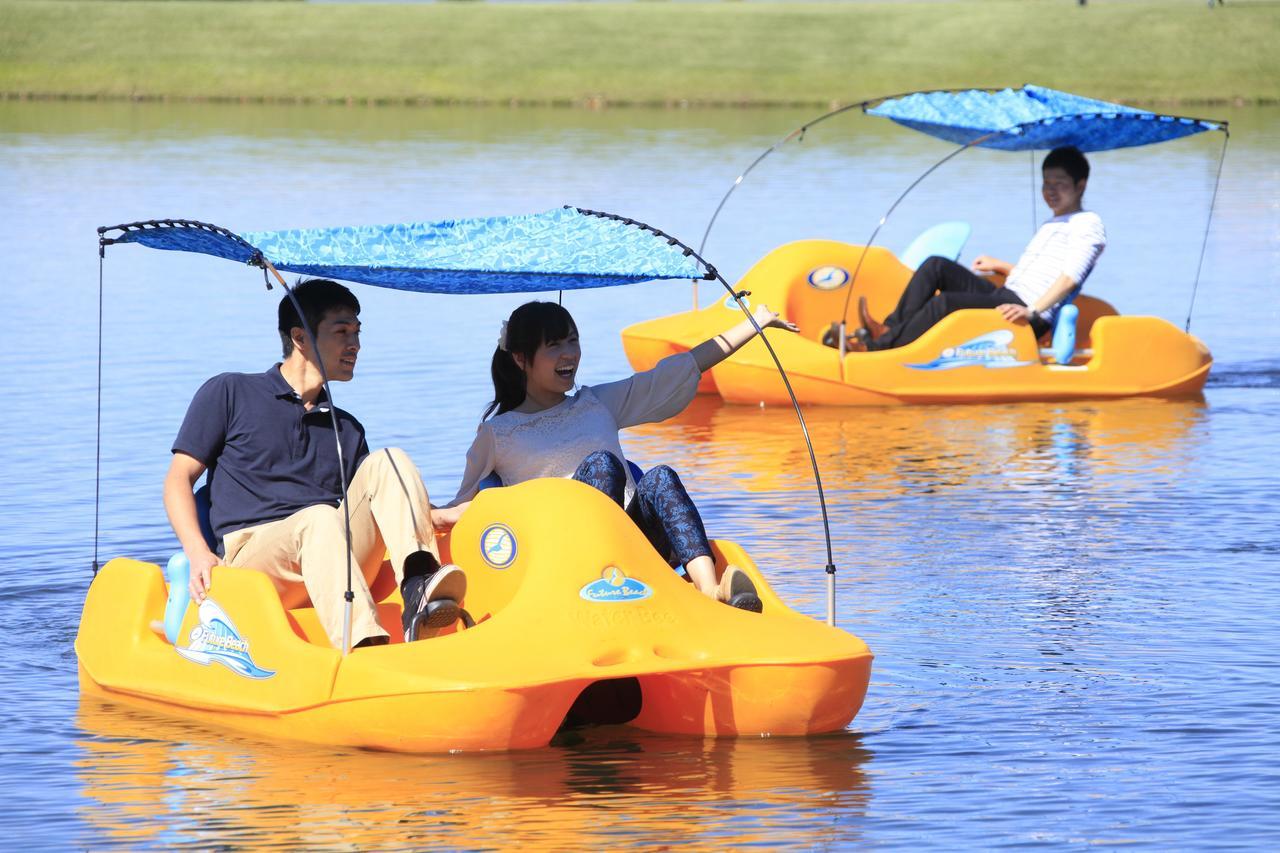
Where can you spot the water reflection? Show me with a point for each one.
(222, 789)
(927, 449)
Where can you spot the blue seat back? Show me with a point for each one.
(946, 240)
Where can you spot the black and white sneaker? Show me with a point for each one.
(736, 589)
(432, 600)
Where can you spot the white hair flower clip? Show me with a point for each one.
(502, 337)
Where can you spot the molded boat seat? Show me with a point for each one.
(946, 239)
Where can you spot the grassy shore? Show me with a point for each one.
(1164, 51)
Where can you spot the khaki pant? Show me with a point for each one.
(305, 554)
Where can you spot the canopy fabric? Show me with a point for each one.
(562, 249)
(1034, 118)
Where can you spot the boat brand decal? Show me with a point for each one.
(216, 639)
(828, 278)
(498, 546)
(990, 350)
(615, 586)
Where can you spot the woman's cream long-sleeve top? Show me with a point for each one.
(553, 442)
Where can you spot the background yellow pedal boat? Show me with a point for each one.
(969, 356)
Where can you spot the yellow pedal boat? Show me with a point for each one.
(580, 621)
(971, 356)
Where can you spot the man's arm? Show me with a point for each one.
(1056, 293)
(180, 504)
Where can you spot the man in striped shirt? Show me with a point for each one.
(1054, 265)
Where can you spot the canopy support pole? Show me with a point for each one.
(712, 273)
(853, 279)
(1204, 242)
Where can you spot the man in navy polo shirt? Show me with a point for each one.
(267, 442)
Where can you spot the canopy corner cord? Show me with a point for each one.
(1204, 242)
(1031, 151)
(349, 595)
(97, 444)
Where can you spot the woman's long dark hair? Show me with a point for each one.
(529, 327)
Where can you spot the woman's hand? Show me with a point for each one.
(445, 519)
(769, 319)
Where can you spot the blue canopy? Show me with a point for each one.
(1034, 118)
(563, 249)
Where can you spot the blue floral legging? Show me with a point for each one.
(661, 508)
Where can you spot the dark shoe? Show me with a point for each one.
(736, 589)
(379, 640)
(874, 327)
(831, 337)
(431, 601)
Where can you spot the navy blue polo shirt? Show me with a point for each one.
(267, 456)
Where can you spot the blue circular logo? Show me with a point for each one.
(498, 546)
(828, 278)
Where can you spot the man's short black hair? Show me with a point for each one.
(1070, 160)
(317, 296)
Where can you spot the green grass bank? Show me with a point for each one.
(1163, 51)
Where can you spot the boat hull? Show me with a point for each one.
(564, 607)
(971, 356)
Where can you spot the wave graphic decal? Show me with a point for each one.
(216, 639)
(991, 350)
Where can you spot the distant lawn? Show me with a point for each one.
(635, 53)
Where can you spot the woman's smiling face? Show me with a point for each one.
(554, 366)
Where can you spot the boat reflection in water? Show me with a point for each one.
(930, 488)
(898, 451)
(150, 780)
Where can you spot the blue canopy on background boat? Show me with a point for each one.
(563, 249)
(1034, 118)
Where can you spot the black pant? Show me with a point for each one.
(936, 289)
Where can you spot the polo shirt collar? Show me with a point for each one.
(281, 388)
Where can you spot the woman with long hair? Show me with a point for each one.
(534, 428)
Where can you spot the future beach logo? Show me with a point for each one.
(216, 639)
(614, 585)
(989, 350)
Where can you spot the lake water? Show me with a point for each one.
(1073, 606)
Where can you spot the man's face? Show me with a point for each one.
(338, 341)
(1060, 192)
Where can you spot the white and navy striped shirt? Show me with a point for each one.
(1067, 244)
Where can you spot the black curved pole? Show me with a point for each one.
(712, 273)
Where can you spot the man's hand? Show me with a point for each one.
(202, 574)
(1015, 313)
(987, 265)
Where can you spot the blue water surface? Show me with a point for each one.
(1073, 606)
